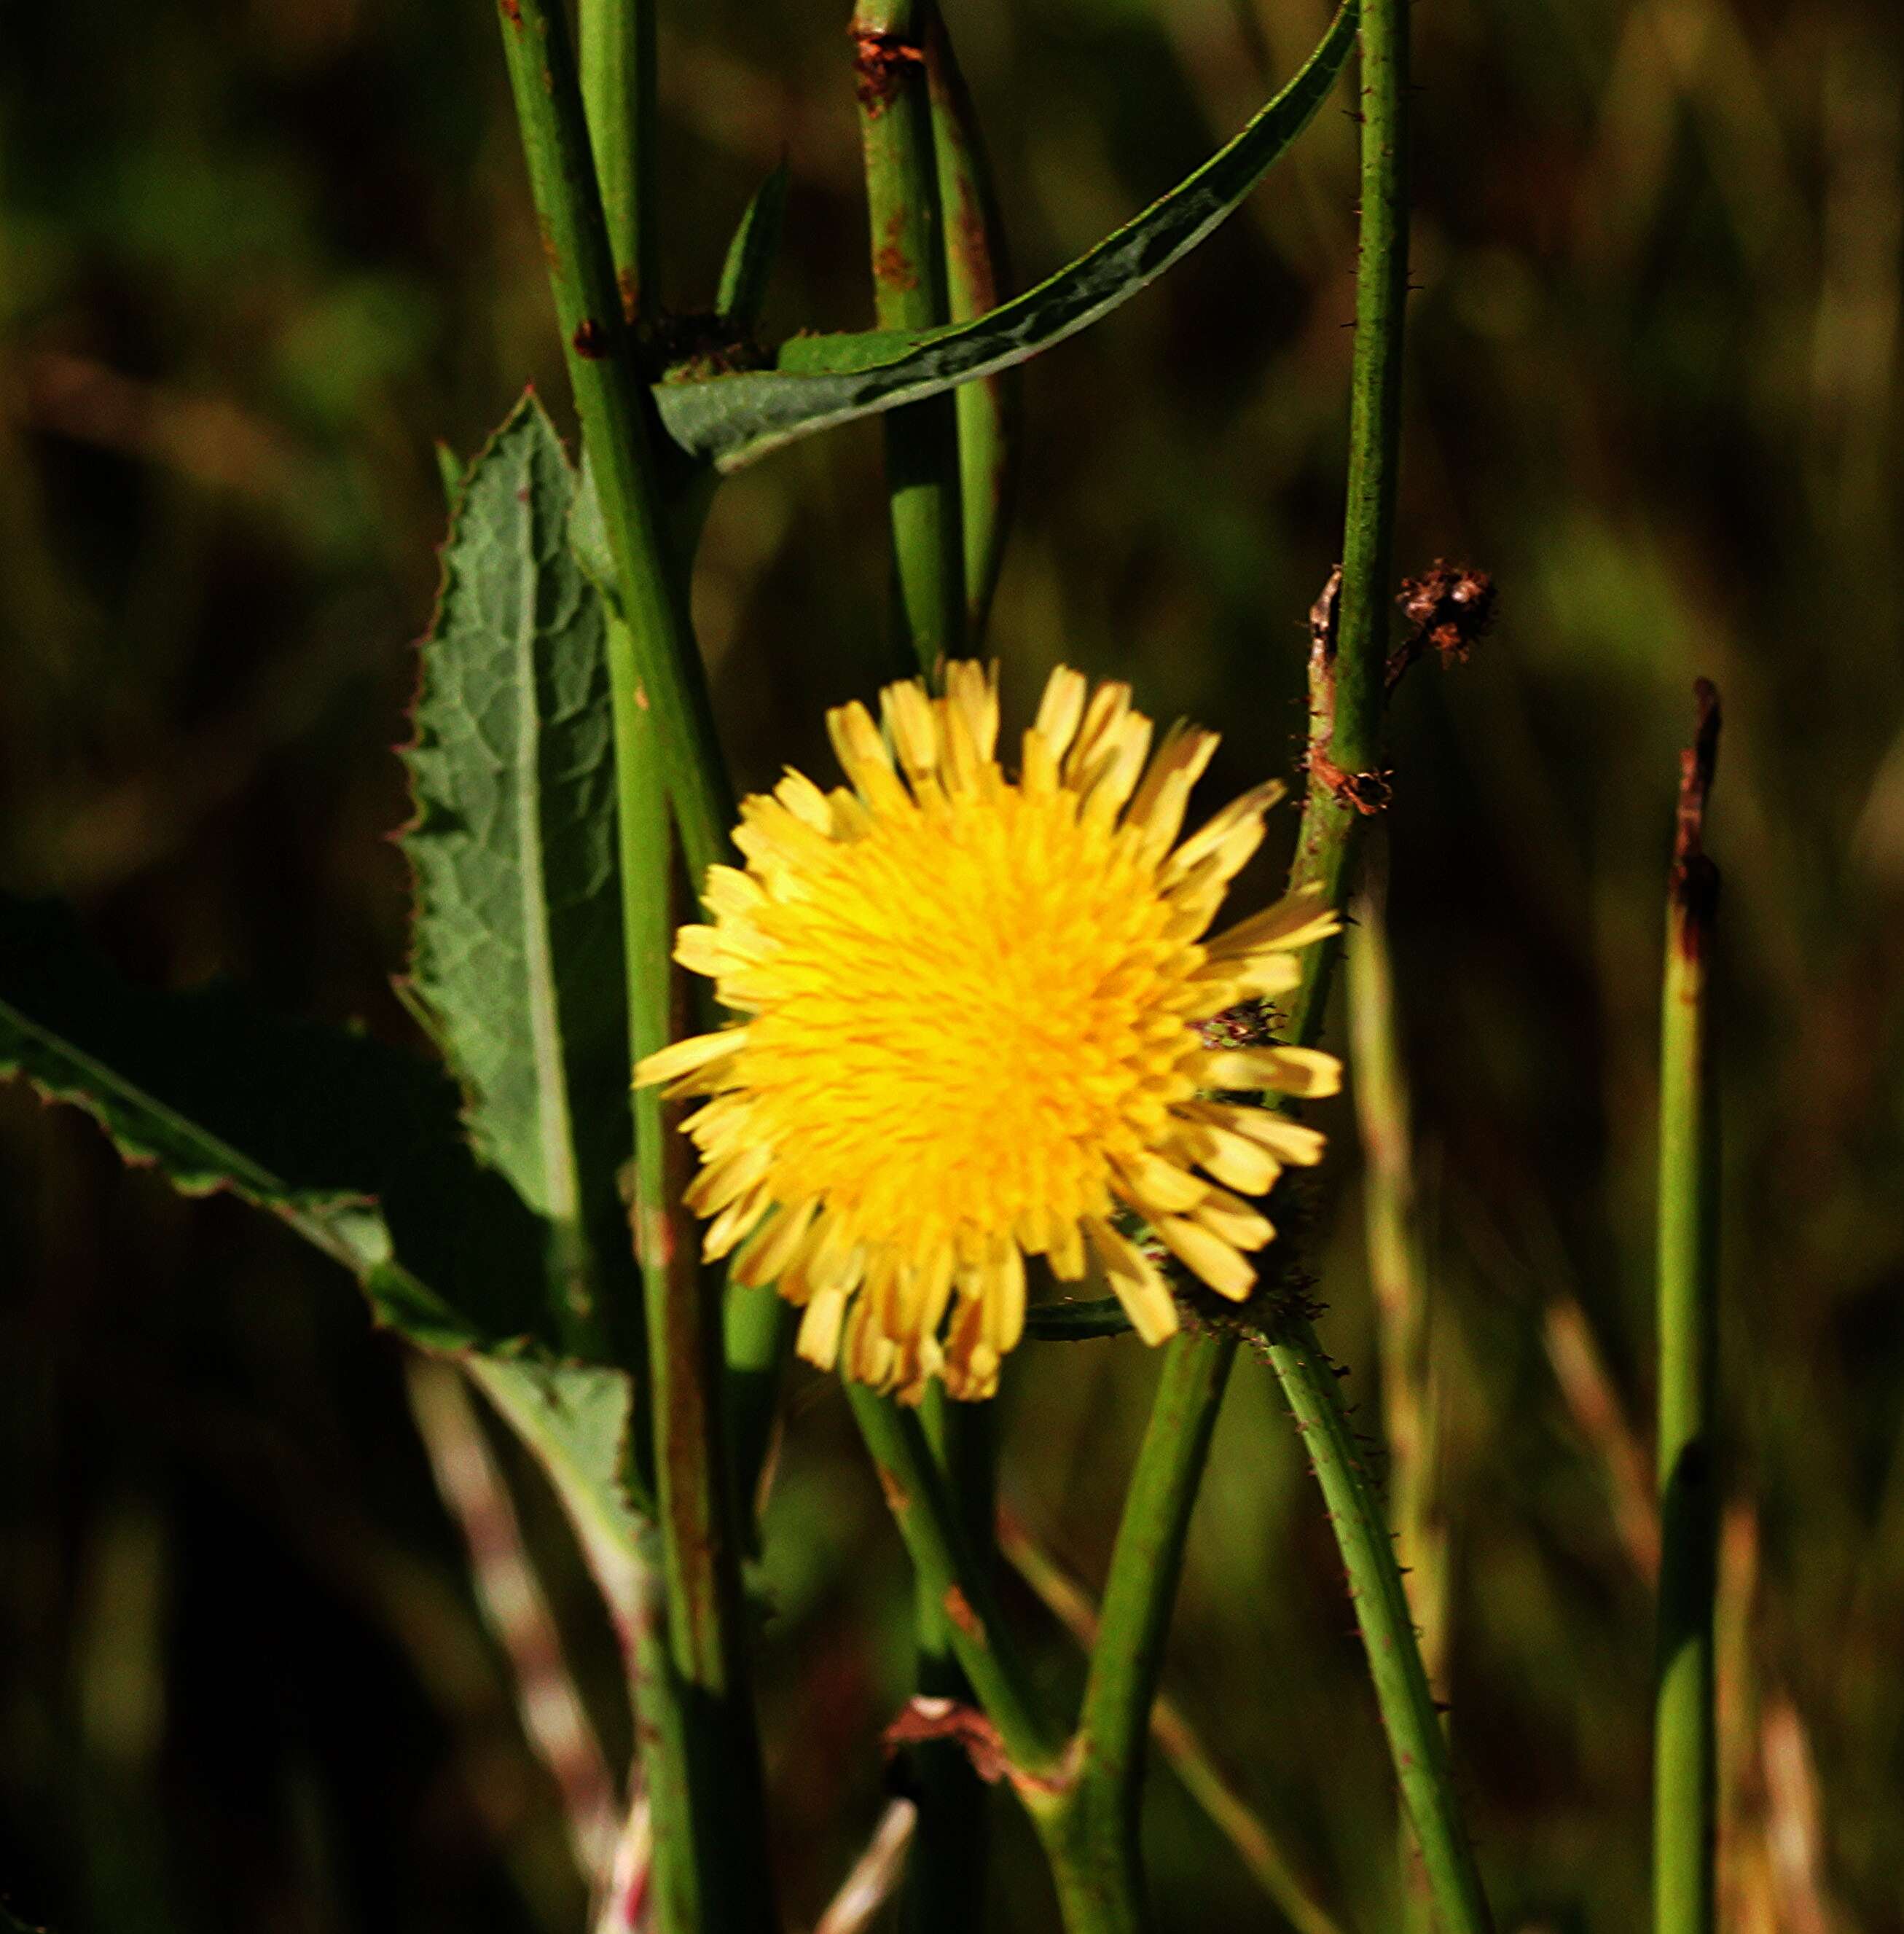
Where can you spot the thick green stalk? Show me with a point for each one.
(988, 410)
(701, 1747)
(618, 60)
(616, 415)
(1347, 685)
(945, 1881)
(720, 1878)
(909, 292)
(1684, 1737)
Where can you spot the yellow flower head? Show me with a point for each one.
(972, 1034)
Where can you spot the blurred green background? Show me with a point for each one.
(256, 255)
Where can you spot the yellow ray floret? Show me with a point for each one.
(971, 1014)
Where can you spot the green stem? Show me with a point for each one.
(988, 410)
(1415, 1737)
(1121, 1687)
(1177, 1739)
(930, 1524)
(701, 1746)
(712, 1887)
(618, 61)
(1684, 1742)
(1374, 408)
(909, 293)
(945, 1884)
(1347, 685)
(616, 415)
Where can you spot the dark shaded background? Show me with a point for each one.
(255, 254)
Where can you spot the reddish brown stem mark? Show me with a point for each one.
(925, 1720)
(958, 1609)
(879, 61)
(591, 339)
(898, 1501)
(1693, 884)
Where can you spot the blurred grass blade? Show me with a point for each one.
(989, 411)
(749, 264)
(909, 295)
(1684, 1740)
(1412, 1391)
(476, 1495)
(1177, 1739)
(823, 380)
(517, 954)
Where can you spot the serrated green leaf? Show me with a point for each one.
(729, 420)
(517, 949)
(356, 1145)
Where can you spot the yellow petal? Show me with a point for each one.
(690, 1056)
(1206, 1255)
(1304, 1071)
(1136, 1280)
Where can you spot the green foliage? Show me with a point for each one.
(823, 380)
(749, 263)
(517, 952)
(356, 1145)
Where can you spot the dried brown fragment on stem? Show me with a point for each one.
(1449, 609)
(958, 1609)
(925, 1720)
(591, 339)
(892, 267)
(1693, 883)
(1366, 792)
(880, 62)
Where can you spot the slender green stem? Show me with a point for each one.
(1684, 1738)
(909, 292)
(616, 414)
(929, 1522)
(1415, 1737)
(1374, 417)
(1347, 685)
(988, 412)
(618, 60)
(1122, 1685)
(1178, 1741)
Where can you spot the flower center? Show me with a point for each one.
(981, 1006)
